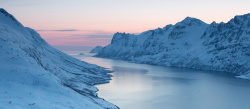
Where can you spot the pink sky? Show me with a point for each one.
(93, 22)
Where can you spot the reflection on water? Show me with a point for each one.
(140, 86)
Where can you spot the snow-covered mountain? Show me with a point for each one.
(190, 43)
(96, 49)
(36, 76)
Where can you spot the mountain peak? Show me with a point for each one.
(97, 49)
(4, 12)
(240, 19)
(245, 15)
(189, 18)
(191, 21)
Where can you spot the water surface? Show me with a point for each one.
(140, 86)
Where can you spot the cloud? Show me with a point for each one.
(90, 33)
(76, 37)
(92, 36)
(67, 30)
(100, 36)
(61, 30)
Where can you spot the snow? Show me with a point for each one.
(36, 76)
(242, 77)
(190, 43)
(96, 49)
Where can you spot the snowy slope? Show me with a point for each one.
(36, 76)
(96, 49)
(190, 43)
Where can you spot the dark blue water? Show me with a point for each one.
(140, 86)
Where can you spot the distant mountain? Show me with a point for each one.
(96, 49)
(190, 43)
(36, 76)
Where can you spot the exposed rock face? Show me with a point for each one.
(35, 75)
(190, 43)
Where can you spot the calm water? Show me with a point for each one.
(140, 86)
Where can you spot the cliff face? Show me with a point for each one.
(35, 75)
(190, 43)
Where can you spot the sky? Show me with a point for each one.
(93, 22)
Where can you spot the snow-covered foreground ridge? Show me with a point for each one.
(190, 43)
(33, 75)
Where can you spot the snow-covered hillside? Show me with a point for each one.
(190, 43)
(34, 75)
(96, 49)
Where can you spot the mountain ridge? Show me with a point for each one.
(96, 49)
(35, 75)
(190, 43)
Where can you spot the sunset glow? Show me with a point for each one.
(93, 22)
